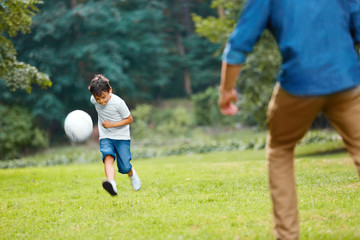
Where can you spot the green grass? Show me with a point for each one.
(208, 196)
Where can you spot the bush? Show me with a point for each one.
(178, 123)
(147, 120)
(319, 136)
(142, 120)
(18, 134)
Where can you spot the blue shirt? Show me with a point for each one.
(316, 40)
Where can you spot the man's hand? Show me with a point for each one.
(228, 94)
(226, 100)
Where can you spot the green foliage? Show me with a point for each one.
(178, 123)
(18, 134)
(213, 28)
(207, 147)
(206, 110)
(319, 136)
(218, 29)
(258, 79)
(17, 16)
(232, 8)
(323, 141)
(19, 75)
(75, 154)
(142, 115)
(200, 140)
(203, 64)
(166, 122)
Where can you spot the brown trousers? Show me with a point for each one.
(289, 118)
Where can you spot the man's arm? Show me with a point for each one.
(228, 94)
(125, 121)
(253, 20)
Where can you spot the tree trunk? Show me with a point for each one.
(187, 81)
(187, 17)
(186, 71)
(73, 3)
(221, 12)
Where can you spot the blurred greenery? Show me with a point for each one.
(18, 133)
(16, 16)
(148, 50)
(160, 144)
(152, 52)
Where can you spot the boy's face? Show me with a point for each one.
(104, 98)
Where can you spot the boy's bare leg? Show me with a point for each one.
(109, 167)
(109, 184)
(130, 173)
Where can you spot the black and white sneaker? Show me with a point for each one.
(109, 187)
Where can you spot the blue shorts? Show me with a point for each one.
(120, 150)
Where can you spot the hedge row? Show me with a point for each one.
(160, 151)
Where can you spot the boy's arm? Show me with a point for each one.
(125, 121)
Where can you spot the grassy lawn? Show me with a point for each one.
(199, 196)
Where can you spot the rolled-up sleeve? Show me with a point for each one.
(251, 24)
(355, 19)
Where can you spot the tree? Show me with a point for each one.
(16, 16)
(196, 63)
(73, 40)
(132, 42)
(261, 67)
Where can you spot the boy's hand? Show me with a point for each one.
(107, 124)
(125, 121)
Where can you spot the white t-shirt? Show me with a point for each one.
(115, 110)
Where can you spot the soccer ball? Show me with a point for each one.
(78, 126)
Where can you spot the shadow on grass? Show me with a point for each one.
(322, 152)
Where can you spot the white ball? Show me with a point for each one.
(78, 126)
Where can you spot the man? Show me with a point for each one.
(320, 73)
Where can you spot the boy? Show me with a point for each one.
(114, 121)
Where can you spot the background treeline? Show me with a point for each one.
(150, 51)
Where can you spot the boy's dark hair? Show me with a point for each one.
(99, 84)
